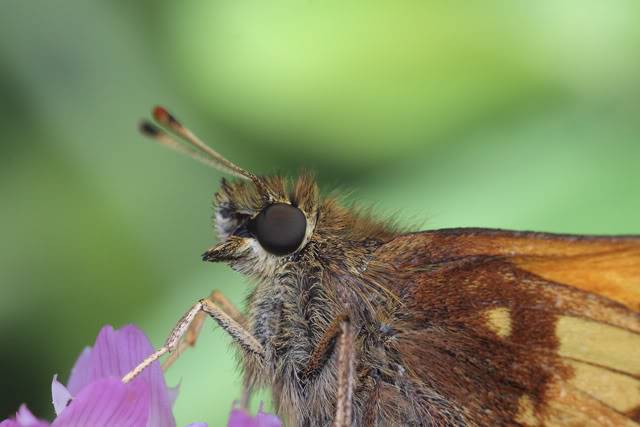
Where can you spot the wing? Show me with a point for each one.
(522, 328)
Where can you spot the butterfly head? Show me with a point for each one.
(263, 223)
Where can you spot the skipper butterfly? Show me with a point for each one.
(353, 322)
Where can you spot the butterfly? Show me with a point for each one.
(354, 322)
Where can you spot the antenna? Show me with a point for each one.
(192, 146)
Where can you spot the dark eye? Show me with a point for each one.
(280, 228)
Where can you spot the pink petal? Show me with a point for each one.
(173, 394)
(267, 420)
(80, 372)
(24, 418)
(114, 354)
(240, 418)
(60, 394)
(108, 402)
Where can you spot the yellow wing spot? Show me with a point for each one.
(499, 321)
(598, 343)
(621, 392)
(526, 413)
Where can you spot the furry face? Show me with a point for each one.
(238, 203)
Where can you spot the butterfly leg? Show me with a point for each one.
(345, 376)
(193, 332)
(339, 328)
(372, 407)
(243, 338)
(324, 347)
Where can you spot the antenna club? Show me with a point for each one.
(149, 129)
(164, 117)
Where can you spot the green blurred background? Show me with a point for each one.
(496, 114)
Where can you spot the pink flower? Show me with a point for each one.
(240, 418)
(95, 395)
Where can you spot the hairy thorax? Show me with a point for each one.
(290, 312)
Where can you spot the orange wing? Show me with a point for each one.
(523, 328)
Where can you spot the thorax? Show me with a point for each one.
(289, 315)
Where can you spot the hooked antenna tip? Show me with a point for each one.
(164, 117)
(149, 129)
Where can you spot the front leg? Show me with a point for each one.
(247, 342)
(325, 346)
(193, 331)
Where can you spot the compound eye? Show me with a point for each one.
(280, 228)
